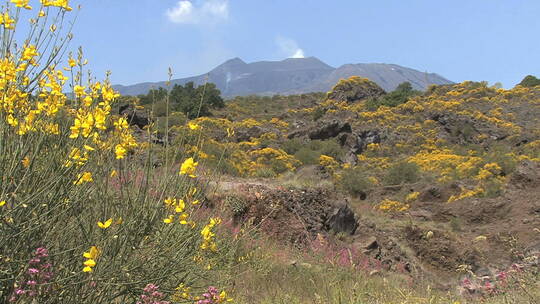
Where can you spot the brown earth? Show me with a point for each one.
(433, 239)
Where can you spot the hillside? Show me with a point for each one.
(438, 181)
(293, 76)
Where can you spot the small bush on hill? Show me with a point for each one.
(399, 96)
(402, 172)
(529, 81)
(355, 182)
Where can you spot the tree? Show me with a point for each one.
(400, 95)
(529, 81)
(153, 96)
(188, 99)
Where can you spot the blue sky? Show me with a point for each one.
(492, 40)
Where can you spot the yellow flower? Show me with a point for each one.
(87, 269)
(29, 53)
(72, 62)
(2, 203)
(170, 201)
(92, 253)
(58, 3)
(121, 124)
(412, 196)
(105, 225)
(180, 207)
(89, 263)
(120, 151)
(169, 219)
(193, 126)
(88, 101)
(85, 177)
(22, 3)
(188, 167)
(26, 162)
(114, 173)
(79, 90)
(7, 21)
(183, 218)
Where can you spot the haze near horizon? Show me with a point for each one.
(459, 40)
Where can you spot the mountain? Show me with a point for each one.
(293, 76)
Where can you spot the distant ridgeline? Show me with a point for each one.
(293, 76)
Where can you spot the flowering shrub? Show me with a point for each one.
(77, 181)
(152, 295)
(392, 206)
(36, 279)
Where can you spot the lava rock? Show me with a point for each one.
(342, 219)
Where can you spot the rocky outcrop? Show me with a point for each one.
(297, 215)
(249, 133)
(526, 174)
(329, 130)
(322, 131)
(356, 143)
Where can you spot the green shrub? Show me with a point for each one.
(318, 113)
(236, 205)
(355, 181)
(529, 81)
(265, 173)
(78, 189)
(402, 172)
(399, 96)
(291, 146)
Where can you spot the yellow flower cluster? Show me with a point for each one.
(466, 194)
(91, 256)
(208, 235)
(392, 206)
(64, 4)
(126, 139)
(178, 208)
(444, 162)
(411, 197)
(274, 158)
(490, 170)
(328, 162)
(7, 21)
(85, 177)
(188, 167)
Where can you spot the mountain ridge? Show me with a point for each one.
(290, 76)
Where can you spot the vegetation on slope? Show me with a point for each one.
(97, 207)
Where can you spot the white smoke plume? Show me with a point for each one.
(289, 47)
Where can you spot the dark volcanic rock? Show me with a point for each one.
(342, 219)
(134, 116)
(248, 134)
(329, 130)
(356, 143)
